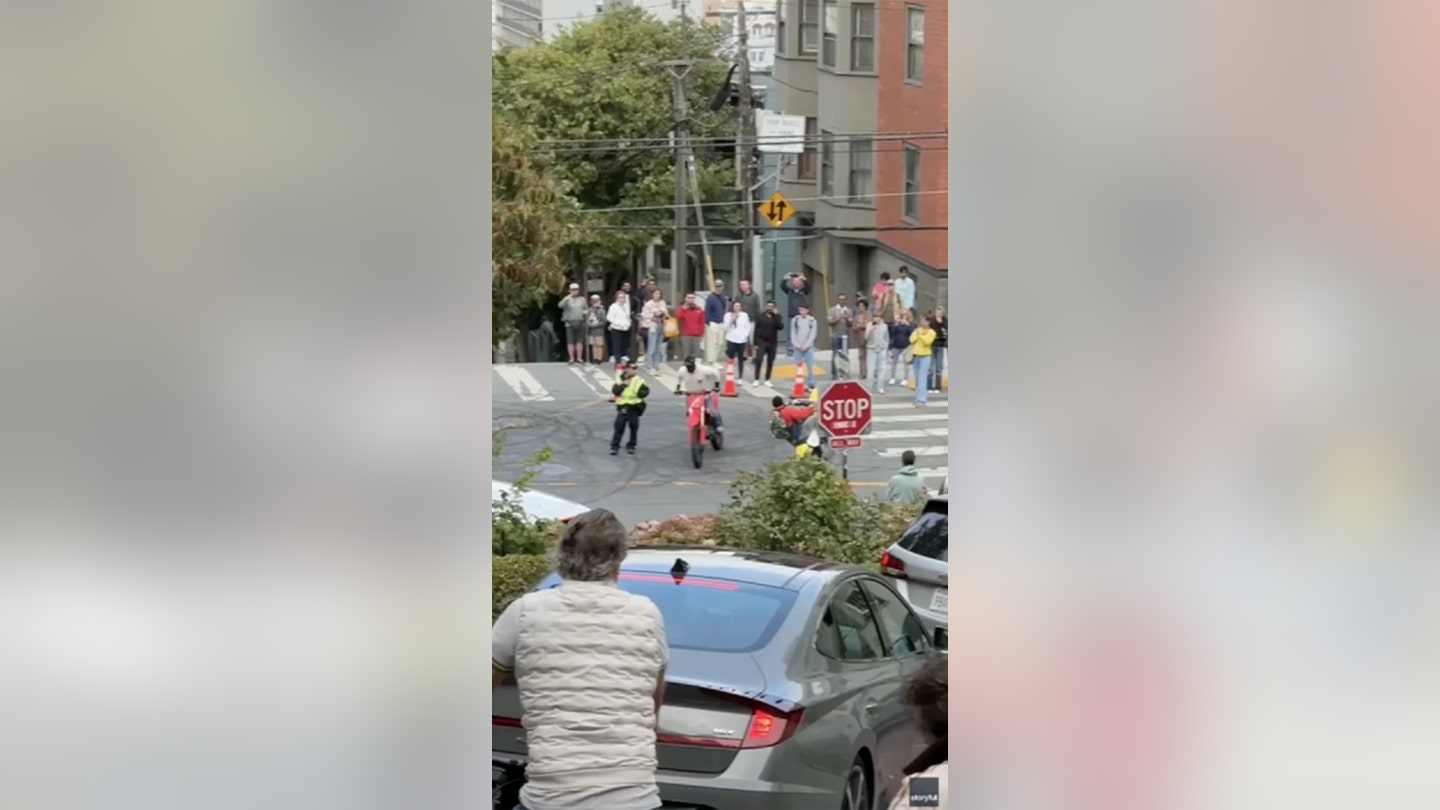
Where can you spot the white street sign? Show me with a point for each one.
(784, 134)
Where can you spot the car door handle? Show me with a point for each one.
(871, 707)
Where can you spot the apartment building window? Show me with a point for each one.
(862, 170)
(807, 158)
(829, 29)
(914, 43)
(910, 201)
(809, 26)
(827, 164)
(862, 37)
(782, 15)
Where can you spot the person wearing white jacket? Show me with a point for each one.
(738, 331)
(619, 322)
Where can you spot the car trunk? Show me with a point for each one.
(715, 705)
(920, 559)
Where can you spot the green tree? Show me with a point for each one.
(601, 82)
(532, 221)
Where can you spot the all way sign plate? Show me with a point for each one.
(845, 443)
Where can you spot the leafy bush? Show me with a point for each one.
(511, 530)
(802, 505)
(680, 530)
(512, 576)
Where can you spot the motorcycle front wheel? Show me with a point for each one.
(697, 447)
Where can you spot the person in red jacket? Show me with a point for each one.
(691, 319)
(794, 416)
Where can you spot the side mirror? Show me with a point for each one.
(942, 638)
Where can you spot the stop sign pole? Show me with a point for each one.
(845, 413)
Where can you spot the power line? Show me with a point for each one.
(797, 89)
(895, 149)
(811, 144)
(830, 198)
(822, 228)
(665, 140)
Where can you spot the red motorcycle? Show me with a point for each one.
(703, 423)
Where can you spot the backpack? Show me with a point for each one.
(777, 426)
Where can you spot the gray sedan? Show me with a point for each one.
(784, 684)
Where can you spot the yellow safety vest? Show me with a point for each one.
(631, 394)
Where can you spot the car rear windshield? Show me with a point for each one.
(929, 535)
(708, 614)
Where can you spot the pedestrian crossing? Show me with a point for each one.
(559, 382)
(896, 424)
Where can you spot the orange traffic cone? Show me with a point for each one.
(729, 389)
(799, 391)
(617, 377)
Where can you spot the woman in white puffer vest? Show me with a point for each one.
(589, 660)
(928, 693)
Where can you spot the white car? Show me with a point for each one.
(539, 505)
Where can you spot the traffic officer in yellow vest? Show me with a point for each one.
(630, 392)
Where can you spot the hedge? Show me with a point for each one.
(799, 505)
(513, 575)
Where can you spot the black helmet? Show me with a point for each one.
(777, 402)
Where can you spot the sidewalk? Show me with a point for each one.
(785, 368)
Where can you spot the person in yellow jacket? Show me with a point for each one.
(630, 392)
(920, 342)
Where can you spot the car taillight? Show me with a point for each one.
(890, 565)
(507, 722)
(768, 727)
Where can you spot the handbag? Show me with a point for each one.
(908, 356)
(672, 328)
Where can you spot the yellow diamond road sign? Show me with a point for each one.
(776, 210)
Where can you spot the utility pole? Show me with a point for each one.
(745, 153)
(679, 69)
(681, 139)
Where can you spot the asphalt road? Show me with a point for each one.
(552, 405)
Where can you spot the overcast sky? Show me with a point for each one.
(585, 9)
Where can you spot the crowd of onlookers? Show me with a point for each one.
(891, 341)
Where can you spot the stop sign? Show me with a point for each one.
(845, 409)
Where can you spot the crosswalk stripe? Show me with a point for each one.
(927, 433)
(524, 384)
(940, 416)
(896, 452)
(894, 406)
(589, 382)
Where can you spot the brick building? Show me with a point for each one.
(871, 80)
(913, 99)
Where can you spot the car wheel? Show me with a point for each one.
(857, 788)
